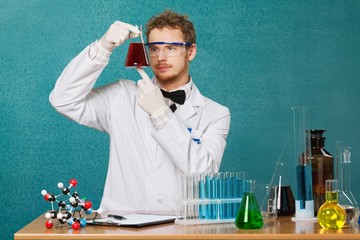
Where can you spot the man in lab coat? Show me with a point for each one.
(153, 139)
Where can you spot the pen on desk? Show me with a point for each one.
(117, 217)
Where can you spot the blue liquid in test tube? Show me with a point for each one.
(230, 194)
(304, 184)
(221, 194)
(214, 195)
(208, 195)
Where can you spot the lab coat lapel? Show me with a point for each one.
(190, 106)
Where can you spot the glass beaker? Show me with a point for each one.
(249, 215)
(137, 56)
(331, 215)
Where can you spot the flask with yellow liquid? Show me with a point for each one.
(331, 215)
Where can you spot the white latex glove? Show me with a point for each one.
(149, 96)
(117, 34)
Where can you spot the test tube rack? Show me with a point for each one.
(206, 198)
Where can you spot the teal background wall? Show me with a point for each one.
(259, 58)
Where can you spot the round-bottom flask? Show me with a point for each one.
(331, 215)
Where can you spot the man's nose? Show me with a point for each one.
(162, 55)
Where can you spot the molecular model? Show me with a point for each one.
(67, 207)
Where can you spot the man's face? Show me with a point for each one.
(171, 71)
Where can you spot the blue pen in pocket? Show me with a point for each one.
(196, 135)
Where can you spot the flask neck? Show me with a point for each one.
(331, 197)
(317, 139)
(317, 143)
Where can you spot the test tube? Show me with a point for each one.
(221, 194)
(196, 179)
(230, 193)
(215, 194)
(211, 188)
(202, 192)
(240, 188)
(190, 194)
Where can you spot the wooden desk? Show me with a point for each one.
(282, 228)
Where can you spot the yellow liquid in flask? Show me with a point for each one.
(331, 215)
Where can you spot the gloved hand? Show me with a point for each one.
(117, 34)
(149, 97)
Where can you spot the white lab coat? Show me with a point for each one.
(144, 162)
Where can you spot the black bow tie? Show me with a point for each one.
(175, 96)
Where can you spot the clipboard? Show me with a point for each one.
(135, 220)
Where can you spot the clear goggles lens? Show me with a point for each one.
(169, 49)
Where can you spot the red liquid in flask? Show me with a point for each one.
(136, 56)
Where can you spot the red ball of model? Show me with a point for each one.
(48, 224)
(87, 205)
(73, 182)
(75, 225)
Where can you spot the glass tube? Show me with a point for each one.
(304, 204)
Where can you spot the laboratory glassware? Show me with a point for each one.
(206, 198)
(287, 202)
(345, 196)
(279, 199)
(331, 215)
(249, 215)
(137, 56)
(322, 166)
(304, 203)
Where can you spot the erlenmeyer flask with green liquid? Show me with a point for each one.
(249, 215)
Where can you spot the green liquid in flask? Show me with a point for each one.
(249, 215)
(331, 215)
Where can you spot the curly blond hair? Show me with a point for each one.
(172, 20)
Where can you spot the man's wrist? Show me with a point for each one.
(161, 118)
(98, 53)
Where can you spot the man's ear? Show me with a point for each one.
(192, 52)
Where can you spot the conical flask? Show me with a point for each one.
(346, 198)
(137, 56)
(249, 215)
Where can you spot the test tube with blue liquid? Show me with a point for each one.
(202, 195)
(231, 189)
(222, 194)
(212, 193)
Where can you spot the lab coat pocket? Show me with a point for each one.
(196, 135)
